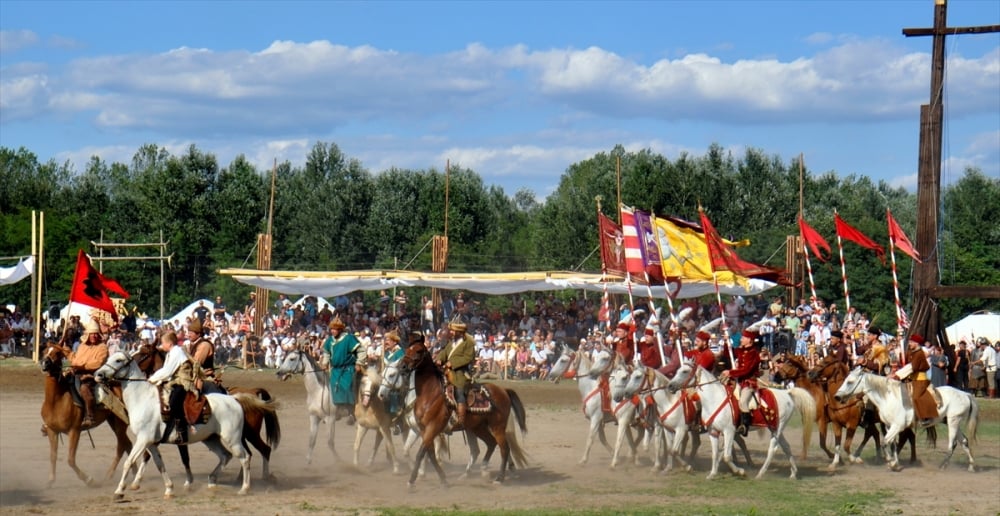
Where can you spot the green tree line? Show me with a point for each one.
(332, 213)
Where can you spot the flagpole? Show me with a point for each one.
(847, 292)
(722, 312)
(895, 290)
(666, 289)
(812, 285)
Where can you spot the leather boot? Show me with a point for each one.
(993, 393)
(744, 427)
(166, 431)
(460, 419)
(87, 393)
(181, 432)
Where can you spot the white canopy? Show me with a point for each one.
(319, 302)
(188, 311)
(23, 269)
(973, 326)
(331, 284)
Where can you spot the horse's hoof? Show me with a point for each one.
(243, 492)
(895, 468)
(484, 473)
(972, 469)
(793, 476)
(133, 487)
(741, 473)
(689, 468)
(760, 476)
(463, 476)
(168, 496)
(211, 485)
(831, 468)
(118, 497)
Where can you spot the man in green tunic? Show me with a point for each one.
(347, 357)
(457, 357)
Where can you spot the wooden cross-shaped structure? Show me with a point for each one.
(926, 319)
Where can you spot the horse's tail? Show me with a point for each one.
(267, 410)
(518, 407)
(517, 453)
(806, 405)
(973, 418)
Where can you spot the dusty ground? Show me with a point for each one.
(554, 482)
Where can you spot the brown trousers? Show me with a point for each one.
(923, 402)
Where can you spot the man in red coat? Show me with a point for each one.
(702, 354)
(745, 374)
(624, 345)
(649, 354)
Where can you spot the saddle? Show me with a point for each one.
(197, 411)
(477, 398)
(763, 408)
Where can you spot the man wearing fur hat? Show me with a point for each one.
(457, 357)
(874, 355)
(203, 355)
(924, 405)
(347, 357)
(837, 349)
(745, 374)
(89, 356)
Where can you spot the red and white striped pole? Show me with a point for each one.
(899, 308)
(812, 285)
(847, 291)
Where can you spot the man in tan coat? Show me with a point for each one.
(924, 406)
(89, 356)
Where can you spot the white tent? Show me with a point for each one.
(188, 311)
(23, 269)
(973, 326)
(319, 302)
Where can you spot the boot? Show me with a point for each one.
(460, 419)
(87, 393)
(867, 417)
(993, 393)
(181, 428)
(744, 427)
(166, 431)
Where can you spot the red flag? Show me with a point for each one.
(814, 240)
(612, 245)
(89, 288)
(633, 244)
(723, 258)
(899, 238)
(848, 232)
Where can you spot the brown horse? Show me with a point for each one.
(830, 374)
(433, 412)
(62, 416)
(151, 359)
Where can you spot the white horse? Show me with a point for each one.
(587, 371)
(222, 433)
(318, 401)
(896, 411)
(718, 411)
(371, 414)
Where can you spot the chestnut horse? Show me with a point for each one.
(433, 412)
(62, 416)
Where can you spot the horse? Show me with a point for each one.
(151, 359)
(432, 412)
(62, 416)
(831, 374)
(896, 411)
(393, 379)
(370, 412)
(588, 371)
(318, 401)
(719, 410)
(841, 415)
(221, 433)
(675, 412)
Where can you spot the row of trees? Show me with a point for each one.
(333, 214)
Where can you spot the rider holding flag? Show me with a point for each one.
(745, 374)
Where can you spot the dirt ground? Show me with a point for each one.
(553, 482)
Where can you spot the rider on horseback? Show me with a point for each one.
(745, 373)
(457, 357)
(392, 352)
(875, 358)
(203, 355)
(89, 356)
(177, 375)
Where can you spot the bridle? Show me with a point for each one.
(124, 364)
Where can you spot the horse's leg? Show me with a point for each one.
(623, 432)
(313, 430)
(331, 434)
(234, 444)
(727, 451)
(596, 427)
(787, 448)
(848, 440)
(378, 443)
(714, 439)
(891, 436)
(122, 444)
(473, 441)
(53, 454)
(961, 438)
(498, 429)
(185, 454)
(216, 447)
(838, 431)
(822, 423)
(417, 463)
(252, 435)
(738, 439)
(359, 434)
(168, 485)
(659, 439)
(71, 445)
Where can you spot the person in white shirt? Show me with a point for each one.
(989, 361)
(177, 377)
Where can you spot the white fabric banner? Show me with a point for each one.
(11, 275)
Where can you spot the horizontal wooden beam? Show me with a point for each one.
(953, 30)
(966, 291)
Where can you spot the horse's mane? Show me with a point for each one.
(316, 370)
(879, 384)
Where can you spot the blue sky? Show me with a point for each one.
(517, 91)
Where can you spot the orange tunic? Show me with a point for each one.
(88, 357)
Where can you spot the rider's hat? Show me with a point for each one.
(392, 335)
(456, 324)
(337, 324)
(704, 335)
(195, 326)
(90, 326)
(837, 333)
(919, 339)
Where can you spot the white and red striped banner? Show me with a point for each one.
(633, 251)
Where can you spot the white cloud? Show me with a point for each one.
(13, 40)
(907, 181)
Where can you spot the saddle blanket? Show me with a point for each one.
(477, 399)
(197, 411)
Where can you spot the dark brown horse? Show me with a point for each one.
(62, 416)
(151, 359)
(433, 412)
(830, 374)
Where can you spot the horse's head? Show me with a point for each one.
(414, 356)
(618, 380)
(369, 382)
(851, 385)
(148, 358)
(293, 363)
(685, 374)
(52, 359)
(602, 361)
(392, 379)
(562, 365)
(828, 369)
(115, 368)
(793, 368)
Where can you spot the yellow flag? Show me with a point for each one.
(684, 254)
